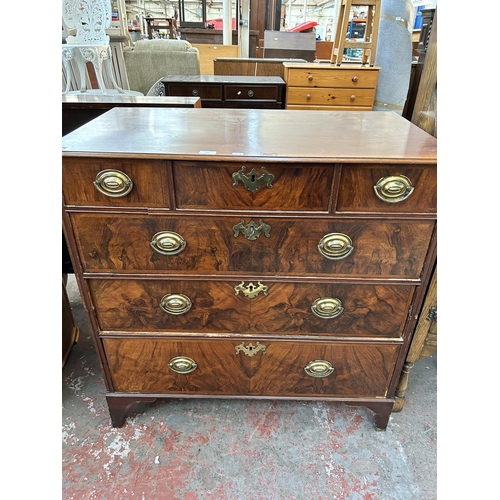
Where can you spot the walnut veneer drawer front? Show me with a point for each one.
(330, 96)
(115, 182)
(388, 188)
(264, 245)
(255, 92)
(251, 306)
(250, 367)
(257, 186)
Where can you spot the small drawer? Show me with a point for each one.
(114, 182)
(268, 92)
(195, 90)
(333, 77)
(330, 96)
(252, 186)
(388, 188)
(258, 306)
(250, 367)
(356, 248)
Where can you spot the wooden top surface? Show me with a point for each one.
(326, 64)
(263, 134)
(96, 100)
(252, 80)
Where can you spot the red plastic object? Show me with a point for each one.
(303, 26)
(219, 23)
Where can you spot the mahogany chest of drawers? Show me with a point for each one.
(253, 258)
(326, 86)
(218, 91)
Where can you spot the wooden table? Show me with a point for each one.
(78, 109)
(216, 91)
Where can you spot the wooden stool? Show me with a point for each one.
(369, 42)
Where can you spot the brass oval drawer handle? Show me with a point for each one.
(195, 92)
(393, 189)
(113, 183)
(175, 303)
(327, 307)
(319, 368)
(335, 246)
(168, 243)
(182, 364)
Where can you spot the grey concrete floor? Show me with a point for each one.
(197, 449)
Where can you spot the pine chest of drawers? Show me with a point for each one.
(326, 86)
(245, 253)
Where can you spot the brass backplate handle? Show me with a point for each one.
(251, 291)
(168, 243)
(253, 181)
(250, 349)
(253, 230)
(113, 183)
(175, 303)
(327, 307)
(319, 368)
(335, 246)
(182, 364)
(393, 189)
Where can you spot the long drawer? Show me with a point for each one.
(251, 307)
(332, 77)
(330, 96)
(268, 245)
(254, 367)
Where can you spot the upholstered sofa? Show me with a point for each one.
(149, 60)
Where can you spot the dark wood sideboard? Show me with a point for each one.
(258, 92)
(251, 258)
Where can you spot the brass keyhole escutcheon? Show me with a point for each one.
(182, 364)
(335, 246)
(113, 183)
(175, 303)
(253, 181)
(168, 243)
(251, 350)
(319, 368)
(251, 291)
(393, 189)
(252, 231)
(327, 307)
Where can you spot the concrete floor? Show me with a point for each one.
(196, 449)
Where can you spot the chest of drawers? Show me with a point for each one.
(217, 91)
(330, 87)
(256, 258)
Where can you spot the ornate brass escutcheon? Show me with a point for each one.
(251, 291)
(393, 189)
(250, 349)
(319, 368)
(327, 307)
(113, 183)
(252, 231)
(168, 243)
(252, 181)
(175, 303)
(335, 246)
(182, 364)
